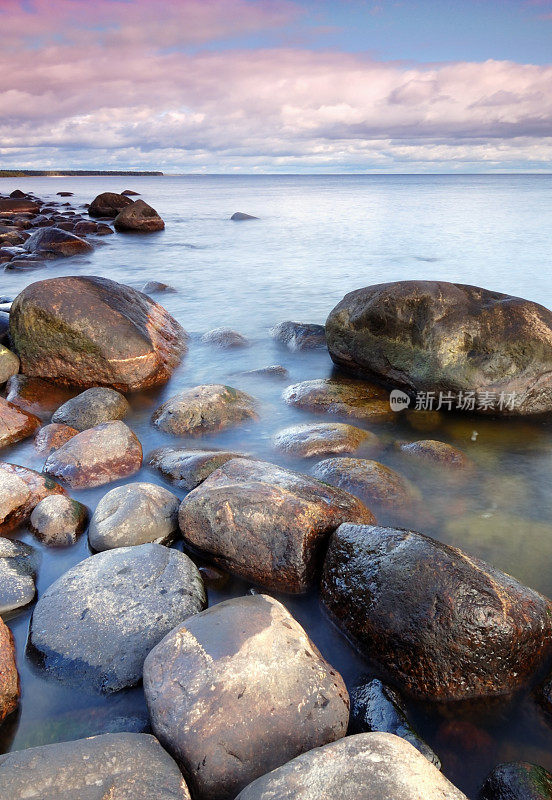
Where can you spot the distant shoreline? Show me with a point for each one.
(70, 173)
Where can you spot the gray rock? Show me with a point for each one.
(241, 216)
(225, 338)
(91, 408)
(58, 520)
(18, 563)
(155, 286)
(115, 766)
(239, 690)
(369, 766)
(299, 335)
(95, 625)
(204, 409)
(132, 515)
(323, 438)
(186, 469)
(273, 371)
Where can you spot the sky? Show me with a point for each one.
(277, 86)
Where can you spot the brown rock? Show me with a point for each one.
(37, 397)
(10, 207)
(347, 398)
(52, 437)
(204, 409)
(9, 679)
(21, 489)
(108, 204)
(15, 424)
(186, 469)
(317, 439)
(437, 454)
(56, 242)
(138, 217)
(84, 227)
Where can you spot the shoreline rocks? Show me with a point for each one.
(108, 205)
(54, 242)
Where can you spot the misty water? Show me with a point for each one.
(318, 238)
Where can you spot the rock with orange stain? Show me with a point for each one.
(52, 437)
(21, 489)
(15, 424)
(348, 398)
(9, 679)
(37, 397)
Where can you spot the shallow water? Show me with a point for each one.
(317, 239)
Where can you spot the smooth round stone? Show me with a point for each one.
(518, 780)
(225, 338)
(299, 335)
(345, 397)
(437, 454)
(18, 563)
(95, 625)
(9, 364)
(56, 242)
(316, 439)
(133, 515)
(140, 217)
(204, 409)
(52, 437)
(108, 204)
(9, 679)
(92, 407)
(186, 469)
(58, 521)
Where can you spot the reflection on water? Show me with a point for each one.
(317, 239)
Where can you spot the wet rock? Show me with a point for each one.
(9, 679)
(344, 397)
(103, 229)
(377, 707)
(152, 287)
(213, 577)
(64, 194)
(225, 338)
(274, 371)
(9, 364)
(138, 217)
(15, 424)
(52, 437)
(17, 194)
(37, 397)
(426, 336)
(186, 469)
(238, 690)
(56, 242)
(299, 335)
(518, 780)
(92, 407)
(108, 204)
(95, 625)
(18, 564)
(92, 331)
(132, 515)
(465, 629)
(97, 456)
(130, 193)
(265, 523)
(58, 521)
(85, 227)
(115, 766)
(240, 216)
(21, 489)
(10, 207)
(317, 439)
(204, 409)
(436, 454)
(369, 766)
(4, 327)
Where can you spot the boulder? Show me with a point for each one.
(518, 780)
(18, 564)
(21, 489)
(186, 469)
(103, 229)
(265, 523)
(85, 227)
(9, 364)
(99, 455)
(152, 287)
(369, 766)
(134, 514)
(95, 625)
(238, 690)
(204, 409)
(9, 679)
(347, 398)
(64, 194)
(16, 424)
(436, 454)
(56, 242)
(130, 193)
(240, 216)
(433, 336)
(299, 335)
(11, 206)
(225, 338)
(138, 217)
(52, 437)
(91, 331)
(58, 521)
(323, 438)
(37, 397)
(465, 629)
(17, 194)
(115, 766)
(92, 407)
(108, 204)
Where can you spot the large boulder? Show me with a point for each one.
(95, 625)
(92, 407)
(108, 204)
(56, 242)
(21, 489)
(265, 523)
(92, 331)
(204, 409)
(15, 424)
(517, 780)
(239, 690)
(115, 766)
(369, 766)
(428, 336)
(464, 630)
(18, 563)
(9, 679)
(138, 217)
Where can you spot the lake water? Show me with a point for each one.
(318, 238)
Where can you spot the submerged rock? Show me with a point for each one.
(58, 521)
(265, 523)
(115, 766)
(21, 489)
(436, 454)
(238, 690)
(186, 469)
(465, 629)
(299, 335)
(37, 397)
(130, 193)
(108, 204)
(16, 424)
(18, 563)
(56, 242)
(95, 625)
(92, 407)
(90, 331)
(518, 780)
(9, 364)
(9, 679)
(155, 286)
(138, 217)
(240, 216)
(204, 409)
(52, 437)
(273, 371)
(344, 397)
(323, 438)
(225, 338)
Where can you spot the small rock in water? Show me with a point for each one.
(317, 439)
(225, 338)
(21, 489)
(103, 229)
(155, 286)
(214, 577)
(95, 625)
(240, 216)
(186, 469)
(52, 437)
(108, 204)
(437, 454)
(238, 690)
(518, 780)
(9, 364)
(204, 409)
(130, 193)
(37, 397)
(92, 407)
(9, 679)
(139, 217)
(16, 424)
(274, 371)
(58, 521)
(56, 242)
(299, 335)
(64, 194)
(365, 401)
(132, 515)
(9, 207)
(18, 565)
(84, 227)
(17, 194)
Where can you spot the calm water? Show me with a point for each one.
(319, 237)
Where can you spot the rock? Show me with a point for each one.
(225, 338)
(134, 514)
(21, 489)
(213, 577)
(155, 286)
(35, 396)
(465, 629)
(103, 229)
(130, 193)
(377, 707)
(52, 437)
(115, 766)
(265, 523)
(4, 327)
(58, 521)
(108, 204)
(92, 407)
(426, 336)
(317, 439)
(64, 194)
(138, 217)
(238, 690)
(345, 397)
(436, 454)
(17, 194)
(18, 564)
(299, 335)
(424, 420)
(9, 679)
(10, 207)
(56, 242)
(16, 424)
(186, 469)
(204, 409)
(274, 371)
(518, 780)
(91, 331)
(85, 227)
(97, 456)
(369, 766)
(9, 364)
(240, 216)
(95, 625)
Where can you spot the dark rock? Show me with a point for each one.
(344, 397)
(57, 242)
(225, 338)
(9, 679)
(84, 227)
(23, 265)
(299, 335)
(9, 207)
(58, 521)
(64, 194)
(323, 438)
(52, 437)
(186, 469)
(18, 565)
(103, 229)
(138, 217)
(16, 424)
(92, 407)
(9, 364)
(108, 204)
(465, 629)
(4, 327)
(21, 489)
(152, 287)
(130, 193)
(436, 454)
(518, 780)
(240, 216)
(37, 397)
(204, 409)
(238, 690)
(17, 194)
